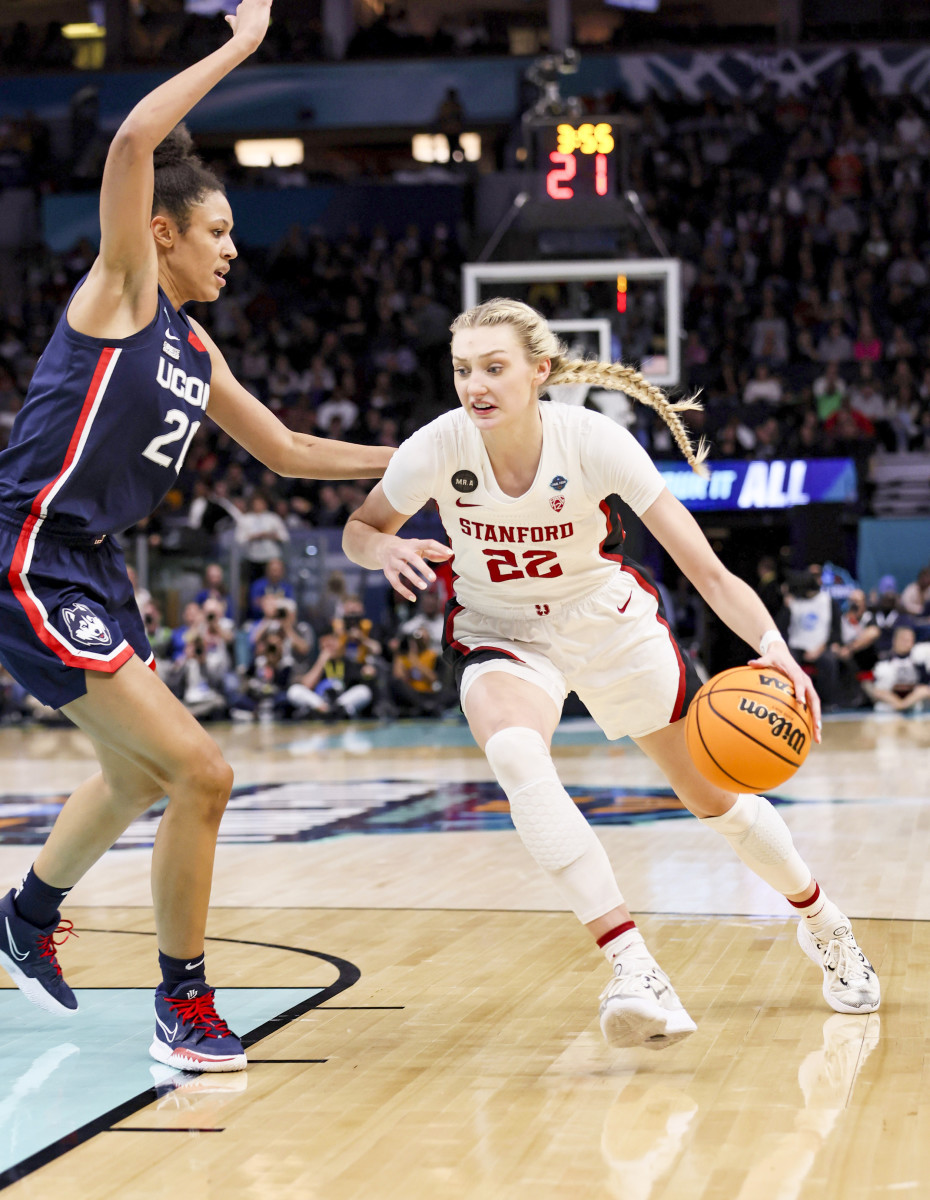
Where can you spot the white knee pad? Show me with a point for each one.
(763, 841)
(550, 824)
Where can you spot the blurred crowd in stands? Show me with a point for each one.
(803, 226)
(862, 650)
(171, 31)
(333, 662)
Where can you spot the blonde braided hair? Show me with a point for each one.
(540, 342)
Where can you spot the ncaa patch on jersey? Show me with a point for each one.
(558, 482)
(465, 481)
(85, 626)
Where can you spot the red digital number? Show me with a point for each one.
(600, 174)
(503, 565)
(557, 179)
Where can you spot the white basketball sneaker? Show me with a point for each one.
(850, 984)
(639, 1006)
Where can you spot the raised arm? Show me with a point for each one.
(369, 540)
(126, 269)
(733, 600)
(258, 430)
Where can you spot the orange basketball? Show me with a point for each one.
(746, 730)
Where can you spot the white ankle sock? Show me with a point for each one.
(628, 944)
(822, 916)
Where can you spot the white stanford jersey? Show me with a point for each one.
(559, 541)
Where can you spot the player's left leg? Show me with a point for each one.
(134, 716)
(513, 720)
(760, 837)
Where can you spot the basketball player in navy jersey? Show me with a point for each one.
(116, 399)
(546, 602)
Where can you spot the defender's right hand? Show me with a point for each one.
(250, 23)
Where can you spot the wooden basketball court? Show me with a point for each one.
(422, 1017)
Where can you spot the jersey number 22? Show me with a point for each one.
(503, 565)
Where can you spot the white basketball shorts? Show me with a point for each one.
(612, 647)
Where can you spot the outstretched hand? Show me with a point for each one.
(780, 658)
(250, 22)
(404, 561)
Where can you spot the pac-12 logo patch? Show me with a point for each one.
(558, 482)
(557, 502)
(85, 626)
(465, 481)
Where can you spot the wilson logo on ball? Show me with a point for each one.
(781, 727)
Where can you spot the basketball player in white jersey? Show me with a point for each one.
(545, 603)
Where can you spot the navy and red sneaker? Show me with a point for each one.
(189, 1033)
(28, 954)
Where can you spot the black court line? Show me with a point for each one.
(349, 974)
(363, 1007)
(159, 1129)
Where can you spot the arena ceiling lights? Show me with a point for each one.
(434, 148)
(270, 152)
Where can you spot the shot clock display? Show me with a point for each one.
(577, 161)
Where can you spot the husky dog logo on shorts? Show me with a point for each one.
(85, 626)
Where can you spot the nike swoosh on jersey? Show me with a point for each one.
(620, 610)
(465, 504)
(14, 949)
(168, 334)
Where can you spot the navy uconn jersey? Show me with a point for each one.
(105, 426)
(559, 541)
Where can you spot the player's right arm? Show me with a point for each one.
(119, 296)
(369, 539)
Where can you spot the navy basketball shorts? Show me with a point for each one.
(613, 648)
(66, 607)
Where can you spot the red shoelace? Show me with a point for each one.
(200, 1012)
(47, 942)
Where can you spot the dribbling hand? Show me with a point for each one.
(780, 657)
(250, 22)
(404, 561)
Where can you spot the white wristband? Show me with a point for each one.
(770, 635)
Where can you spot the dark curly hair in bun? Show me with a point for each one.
(181, 179)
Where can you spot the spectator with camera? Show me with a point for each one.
(272, 582)
(264, 683)
(855, 649)
(279, 619)
(349, 672)
(810, 624)
(420, 686)
(199, 675)
(214, 588)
